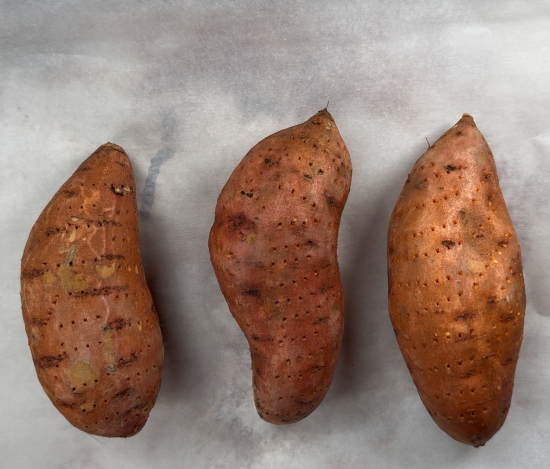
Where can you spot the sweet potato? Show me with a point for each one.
(92, 327)
(273, 249)
(456, 289)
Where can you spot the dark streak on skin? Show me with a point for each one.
(33, 273)
(314, 369)
(465, 316)
(51, 230)
(49, 361)
(104, 291)
(466, 337)
(123, 394)
(117, 324)
(251, 292)
(127, 361)
(321, 320)
(40, 322)
(331, 200)
(111, 257)
(262, 339)
(448, 243)
(168, 121)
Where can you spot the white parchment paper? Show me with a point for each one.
(187, 88)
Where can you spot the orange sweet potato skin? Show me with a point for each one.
(92, 327)
(456, 288)
(273, 249)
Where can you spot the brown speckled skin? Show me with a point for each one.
(92, 326)
(273, 248)
(456, 289)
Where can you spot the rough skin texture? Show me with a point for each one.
(456, 289)
(273, 248)
(90, 320)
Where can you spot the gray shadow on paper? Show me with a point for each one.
(167, 151)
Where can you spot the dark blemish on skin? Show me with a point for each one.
(116, 324)
(168, 122)
(33, 273)
(315, 369)
(507, 319)
(465, 316)
(503, 244)
(94, 222)
(133, 410)
(65, 404)
(321, 172)
(255, 263)
(507, 361)
(40, 322)
(112, 257)
(69, 193)
(262, 339)
(127, 361)
(104, 291)
(240, 222)
(51, 231)
(450, 167)
(469, 374)
(123, 394)
(308, 176)
(324, 289)
(321, 320)
(448, 243)
(248, 194)
(466, 337)
(331, 201)
(480, 235)
(310, 244)
(251, 292)
(49, 361)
